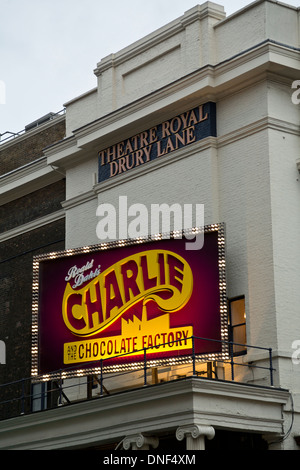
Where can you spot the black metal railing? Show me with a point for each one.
(13, 135)
(18, 397)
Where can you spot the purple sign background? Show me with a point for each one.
(202, 311)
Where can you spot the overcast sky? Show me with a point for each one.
(49, 48)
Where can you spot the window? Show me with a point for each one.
(237, 324)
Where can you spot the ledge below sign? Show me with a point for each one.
(178, 132)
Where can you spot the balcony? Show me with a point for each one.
(107, 408)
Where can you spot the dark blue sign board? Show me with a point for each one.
(185, 129)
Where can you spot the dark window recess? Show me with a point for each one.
(237, 325)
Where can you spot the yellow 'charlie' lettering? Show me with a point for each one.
(143, 276)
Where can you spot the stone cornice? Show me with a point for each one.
(210, 83)
(156, 164)
(258, 126)
(161, 35)
(242, 10)
(80, 199)
(180, 154)
(154, 409)
(37, 223)
(207, 143)
(27, 179)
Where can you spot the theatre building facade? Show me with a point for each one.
(169, 318)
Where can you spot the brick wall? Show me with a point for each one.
(16, 258)
(17, 252)
(29, 147)
(32, 206)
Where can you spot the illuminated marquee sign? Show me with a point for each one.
(113, 301)
(159, 141)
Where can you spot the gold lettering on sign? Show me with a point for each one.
(156, 142)
(146, 276)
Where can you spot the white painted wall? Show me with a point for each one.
(247, 177)
(236, 178)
